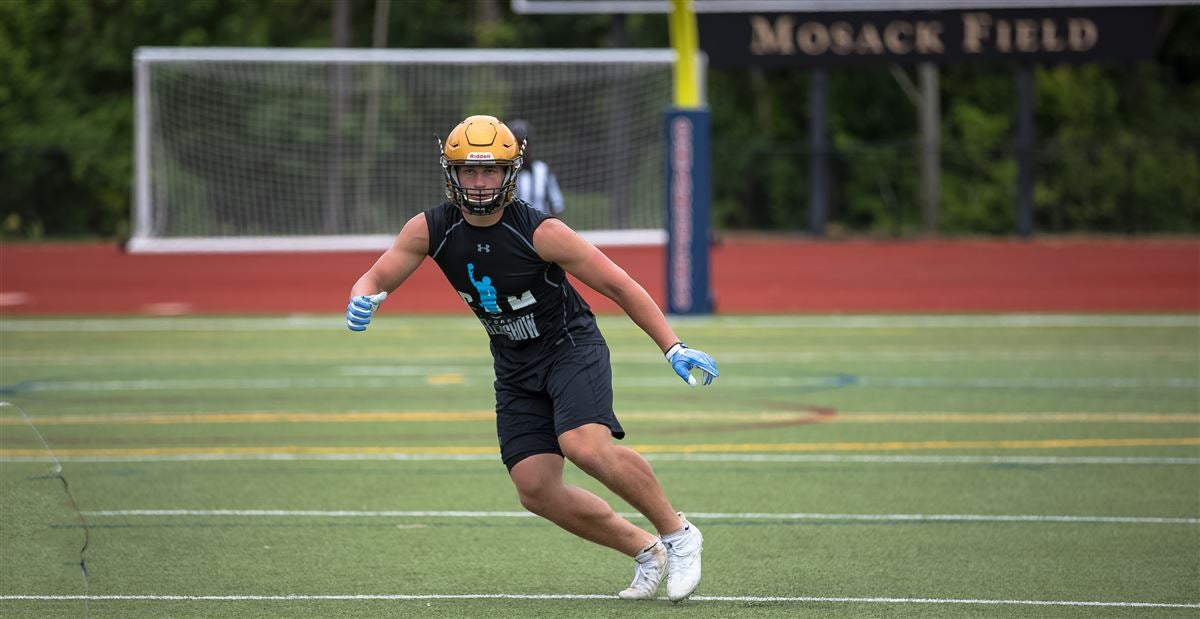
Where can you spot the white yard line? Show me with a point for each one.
(418, 362)
(954, 321)
(391, 381)
(286, 513)
(551, 596)
(899, 459)
(330, 322)
(802, 414)
(690, 457)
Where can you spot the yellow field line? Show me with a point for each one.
(710, 416)
(1017, 417)
(259, 417)
(923, 445)
(687, 448)
(231, 451)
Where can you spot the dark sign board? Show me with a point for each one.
(817, 39)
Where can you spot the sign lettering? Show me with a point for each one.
(1055, 35)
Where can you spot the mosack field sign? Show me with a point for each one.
(1025, 35)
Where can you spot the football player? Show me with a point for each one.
(509, 263)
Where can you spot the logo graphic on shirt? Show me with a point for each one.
(483, 248)
(517, 328)
(487, 292)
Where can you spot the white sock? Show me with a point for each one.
(675, 535)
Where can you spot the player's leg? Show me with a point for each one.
(529, 447)
(627, 473)
(540, 487)
(581, 389)
(541, 490)
(622, 470)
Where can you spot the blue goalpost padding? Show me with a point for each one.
(687, 203)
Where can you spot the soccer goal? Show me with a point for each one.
(248, 149)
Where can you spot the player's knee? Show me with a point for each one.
(536, 492)
(535, 497)
(531, 502)
(588, 447)
(589, 457)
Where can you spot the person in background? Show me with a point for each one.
(536, 183)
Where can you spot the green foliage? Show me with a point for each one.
(979, 173)
(1118, 147)
(760, 157)
(1103, 166)
(66, 114)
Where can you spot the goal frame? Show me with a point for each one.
(141, 239)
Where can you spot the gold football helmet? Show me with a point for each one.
(483, 141)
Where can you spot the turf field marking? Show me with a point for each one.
(953, 321)
(285, 513)
(330, 323)
(259, 417)
(66, 488)
(1189, 418)
(420, 363)
(920, 445)
(1090, 353)
(444, 450)
(894, 459)
(398, 370)
(743, 382)
(690, 457)
(723, 416)
(552, 596)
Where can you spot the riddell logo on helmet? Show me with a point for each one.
(480, 156)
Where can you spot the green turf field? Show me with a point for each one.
(908, 466)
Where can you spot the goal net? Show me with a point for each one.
(246, 149)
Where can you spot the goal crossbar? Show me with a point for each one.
(395, 56)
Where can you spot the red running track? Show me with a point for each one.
(750, 274)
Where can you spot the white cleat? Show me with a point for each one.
(683, 561)
(651, 567)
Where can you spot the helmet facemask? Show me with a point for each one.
(481, 141)
(481, 201)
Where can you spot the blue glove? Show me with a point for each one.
(360, 309)
(684, 359)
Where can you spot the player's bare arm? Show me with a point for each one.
(556, 242)
(388, 272)
(398, 262)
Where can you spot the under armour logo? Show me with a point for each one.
(483, 247)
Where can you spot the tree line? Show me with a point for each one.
(1117, 145)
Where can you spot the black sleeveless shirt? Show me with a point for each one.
(526, 305)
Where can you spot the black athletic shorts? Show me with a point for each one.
(573, 389)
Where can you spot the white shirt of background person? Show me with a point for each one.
(537, 186)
